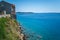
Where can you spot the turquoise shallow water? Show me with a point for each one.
(45, 24)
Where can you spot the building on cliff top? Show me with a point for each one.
(7, 9)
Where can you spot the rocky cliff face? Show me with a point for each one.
(10, 30)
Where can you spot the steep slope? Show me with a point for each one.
(10, 30)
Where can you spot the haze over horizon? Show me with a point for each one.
(36, 5)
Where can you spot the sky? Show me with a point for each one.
(36, 5)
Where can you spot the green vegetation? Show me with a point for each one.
(2, 28)
(9, 29)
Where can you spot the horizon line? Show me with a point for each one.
(42, 12)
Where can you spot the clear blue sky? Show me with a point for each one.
(36, 5)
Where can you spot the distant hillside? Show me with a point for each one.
(34, 12)
(10, 30)
(25, 12)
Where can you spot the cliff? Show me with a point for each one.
(10, 30)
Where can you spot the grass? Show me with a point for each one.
(9, 29)
(2, 28)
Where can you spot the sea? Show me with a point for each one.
(40, 26)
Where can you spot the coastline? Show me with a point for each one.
(10, 29)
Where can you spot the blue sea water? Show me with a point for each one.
(46, 25)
